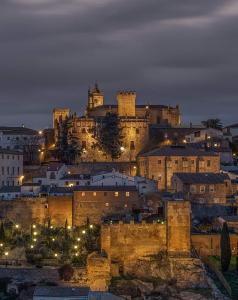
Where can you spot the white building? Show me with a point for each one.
(25, 139)
(53, 174)
(203, 135)
(11, 167)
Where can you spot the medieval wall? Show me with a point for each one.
(178, 227)
(24, 211)
(209, 244)
(126, 242)
(60, 210)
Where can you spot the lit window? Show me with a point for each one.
(127, 194)
(202, 189)
(116, 194)
(94, 194)
(83, 194)
(125, 205)
(107, 204)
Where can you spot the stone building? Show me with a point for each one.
(135, 121)
(208, 188)
(91, 203)
(161, 163)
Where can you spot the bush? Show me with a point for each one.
(66, 272)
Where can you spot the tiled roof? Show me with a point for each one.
(54, 166)
(17, 131)
(206, 178)
(76, 176)
(177, 151)
(60, 190)
(57, 291)
(9, 151)
(10, 189)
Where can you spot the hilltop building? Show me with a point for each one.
(135, 121)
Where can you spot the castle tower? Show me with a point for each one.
(178, 227)
(60, 113)
(126, 102)
(95, 97)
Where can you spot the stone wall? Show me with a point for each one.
(24, 211)
(127, 242)
(209, 244)
(60, 209)
(178, 227)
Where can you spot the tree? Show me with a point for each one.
(225, 248)
(108, 135)
(2, 233)
(213, 123)
(237, 257)
(67, 147)
(66, 272)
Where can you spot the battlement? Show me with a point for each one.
(133, 93)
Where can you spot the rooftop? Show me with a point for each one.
(10, 189)
(206, 178)
(9, 151)
(56, 291)
(77, 176)
(182, 150)
(17, 131)
(106, 188)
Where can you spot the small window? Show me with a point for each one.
(208, 163)
(211, 188)
(159, 162)
(127, 194)
(94, 194)
(116, 194)
(105, 193)
(83, 130)
(137, 130)
(66, 183)
(125, 205)
(176, 162)
(83, 194)
(202, 189)
(107, 204)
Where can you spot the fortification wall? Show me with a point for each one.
(209, 244)
(24, 211)
(127, 242)
(60, 209)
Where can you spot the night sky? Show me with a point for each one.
(170, 51)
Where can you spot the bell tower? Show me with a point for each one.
(95, 97)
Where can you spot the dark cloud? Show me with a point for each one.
(172, 52)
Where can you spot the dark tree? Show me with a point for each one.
(108, 135)
(237, 257)
(2, 233)
(225, 248)
(213, 123)
(66, 272)
(67, 147)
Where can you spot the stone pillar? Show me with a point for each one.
(178, 228)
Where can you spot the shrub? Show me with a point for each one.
(66, 272)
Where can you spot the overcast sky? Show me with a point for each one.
(170, 51)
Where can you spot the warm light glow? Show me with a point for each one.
(6, 253)
(184, 141)
(122, 148)
(51, 227)
(56, 254)
(84, 231)
(91, 226)
(34, 240)
(40, 132)
(78, 239)
(35, 233)
(75, 247)
(69, 227)
(33, 226)
(71, 185)
(1, 245)
(17, 225)
(32, 246)
(69, 172)
(53, 239)
(134, 167)
(76, 254)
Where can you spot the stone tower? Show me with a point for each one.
(126, 102)
(95, 97)
(60, 113)
(178, 227)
